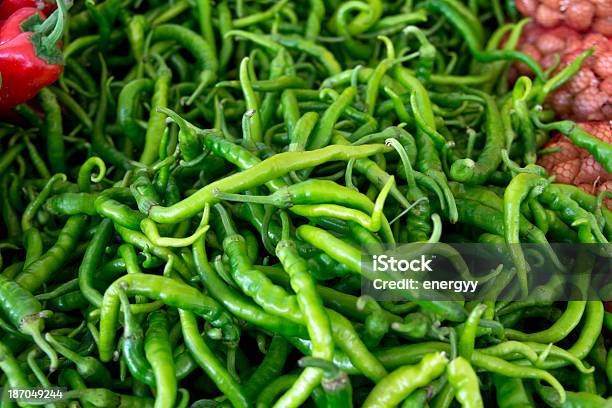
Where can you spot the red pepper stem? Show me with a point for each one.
(48, 24)
(53, 38)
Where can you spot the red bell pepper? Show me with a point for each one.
(8, 7)
(10, 28)
(30, 56)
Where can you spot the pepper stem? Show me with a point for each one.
(130, 327)
(64, 351)
(43, 345)
(280, 199)
(178, 119)
(437, 229)
(377, 213)
(285, 226)
(410, 207)
(330, 370)
(40, 376)
(394, 143)
(207, 78)
(242, 198)
(149, 228)
(226, 221)
(58, 30)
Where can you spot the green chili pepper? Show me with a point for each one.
(271, 169)
(208, 361)
(470, 172)
(161, 288)
(511, 392)
(399, 384)
(520, 187)
(127, 108)
(335, 384)
(158, 353)
(601, 150)
(464, 381)
(90, 368)
(25, 312)
(270, 368)
(40, 270)
(317, 321)
(52, 127)
(473, 33)
(157, 120)
(236, 303)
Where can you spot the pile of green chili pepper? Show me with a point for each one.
(183, 210)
